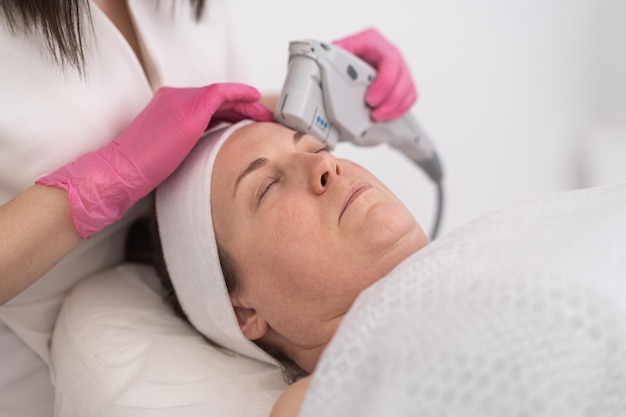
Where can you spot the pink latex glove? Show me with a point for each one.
(102, 185)
(393, 92)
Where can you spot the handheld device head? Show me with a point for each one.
(324, 95)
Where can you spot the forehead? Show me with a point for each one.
(256, 135)
(255, 140)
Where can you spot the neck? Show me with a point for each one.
(305, 356)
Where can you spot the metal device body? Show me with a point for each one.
(324, 96)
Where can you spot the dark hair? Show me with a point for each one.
(61, 24)
(143, 245)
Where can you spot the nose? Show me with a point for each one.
(323, 170)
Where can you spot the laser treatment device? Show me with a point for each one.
(324, 96)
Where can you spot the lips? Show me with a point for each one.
(354, 192)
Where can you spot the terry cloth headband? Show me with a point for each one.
(183, 206)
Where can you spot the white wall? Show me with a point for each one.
(611, 105)
(601, 156)
(507, 88)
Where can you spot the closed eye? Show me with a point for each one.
(265, 187)
(269, 183)
(323, 149)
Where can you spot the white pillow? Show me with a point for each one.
(118, 350)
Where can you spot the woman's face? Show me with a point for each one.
(306, 231)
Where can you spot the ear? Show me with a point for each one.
(252, 325)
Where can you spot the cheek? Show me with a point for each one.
(298, 271)
(390, 222)
(351, 168)
(292, 217)
(282, 238)
(297, 241)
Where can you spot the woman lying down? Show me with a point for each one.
(294, 257)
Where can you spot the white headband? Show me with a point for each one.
(183, 205)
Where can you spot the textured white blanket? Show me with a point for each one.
(519, 313)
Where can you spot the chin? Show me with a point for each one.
(393, 229)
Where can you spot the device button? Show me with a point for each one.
(352, 72)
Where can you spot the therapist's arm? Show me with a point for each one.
(290, 401)
(42, 224)
(36, 232)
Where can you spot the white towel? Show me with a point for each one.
(519, 313)
(183, 204)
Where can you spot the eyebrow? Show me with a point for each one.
(260, 162)
(252, 166)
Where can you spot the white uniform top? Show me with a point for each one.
(50, 116)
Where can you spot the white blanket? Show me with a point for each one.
(519, 313)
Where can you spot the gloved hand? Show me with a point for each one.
(393, 92)
(102, 185)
